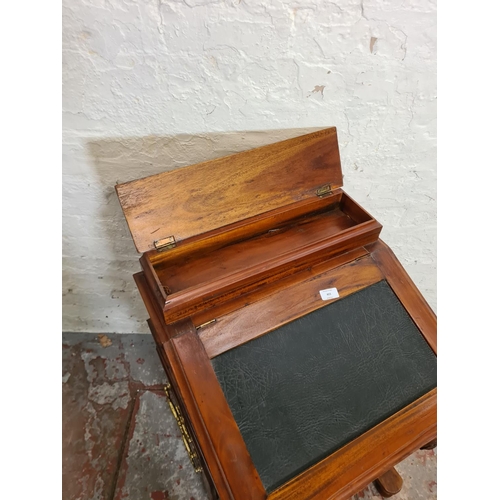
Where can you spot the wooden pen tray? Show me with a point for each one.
(205, 272)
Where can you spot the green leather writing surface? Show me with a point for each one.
(304, 390)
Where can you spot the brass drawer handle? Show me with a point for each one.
(188, 442)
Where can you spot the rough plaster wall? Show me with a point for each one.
(154, 85)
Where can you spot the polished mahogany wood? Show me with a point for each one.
(194, 300)
(276, 286)
(192, 200)
(225, 438)
(228, 306)
(248, 228)
(160, 332)
(335, 477)
(254, 245)
(409, 295)
(285, 233)
(244, 257)
(186, 284)
(201, 436)
(389, 268)
(286, 305)
(389, 483)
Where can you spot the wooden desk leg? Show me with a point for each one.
(430, 445)
(389, 484)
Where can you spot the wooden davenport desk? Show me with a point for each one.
(301, 356)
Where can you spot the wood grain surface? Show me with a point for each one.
(210, 294)
(255, 246)
(202, 197)
(187, 283)
(248, 228)
(242, 257)
(234, 461)
(389, 483)
(157, 323)
(409, 295)
(175, 373)
(270, 288)
(286, 305)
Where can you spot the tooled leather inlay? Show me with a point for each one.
(309, 387)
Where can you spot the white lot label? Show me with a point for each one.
(329, 293)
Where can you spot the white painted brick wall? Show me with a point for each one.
(154, 85)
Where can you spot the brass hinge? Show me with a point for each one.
(324, 190)
(203, 325)
(188, 442)
(165, 243)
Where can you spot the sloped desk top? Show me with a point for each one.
(304, 390)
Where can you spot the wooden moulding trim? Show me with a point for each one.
(166, 362)
(263, 292)
(159, 332)
(338, 240)
(200, 431)
(356, 212)
(246, 229)
(230, 465)
(191, 300)
(351, 468)
(286, 305)
(253, 252)
(153, 280)
(174, 390)
(409, 295)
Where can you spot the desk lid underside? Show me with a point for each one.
(199, 198)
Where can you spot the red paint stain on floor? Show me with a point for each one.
(159, 495)
(140, 361)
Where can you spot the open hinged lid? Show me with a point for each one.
(166, 208)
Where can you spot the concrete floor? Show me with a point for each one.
(120, 440)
